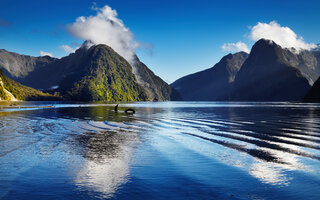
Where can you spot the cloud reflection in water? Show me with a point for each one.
(107, 156)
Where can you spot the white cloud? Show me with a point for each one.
(235, 47)
(105, 28)
(43, 53)
(282, 35)
(68, 49)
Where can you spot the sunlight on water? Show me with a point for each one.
(171, 150)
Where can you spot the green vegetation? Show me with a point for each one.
(3, 95)
(95, 74)
(102, 76)
(21, 92)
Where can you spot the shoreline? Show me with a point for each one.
(22, 107)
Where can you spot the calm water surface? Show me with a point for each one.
(194, 150)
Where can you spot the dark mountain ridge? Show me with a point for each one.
(272, 73)
(213, 84)
(17, 66)
(268, 73)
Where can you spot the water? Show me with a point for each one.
(194, 150)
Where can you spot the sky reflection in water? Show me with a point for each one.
(167, 150)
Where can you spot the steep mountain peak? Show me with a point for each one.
(263, 46)
(88, 47)
(306, 62)
(264, 41)
(267, 44)
(102, 72)
(273, 73)
(87, 44)
(97, 74)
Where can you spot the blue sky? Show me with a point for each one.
(186, 36)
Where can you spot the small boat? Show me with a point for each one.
(128, 111)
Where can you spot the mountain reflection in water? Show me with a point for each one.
(170, 150)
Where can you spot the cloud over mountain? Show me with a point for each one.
(43, 53)
(235, 47)
(68, 49)
(105, 28)
(282, 35)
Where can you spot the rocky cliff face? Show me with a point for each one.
(156, 89)
(213, 84)
(307, 62)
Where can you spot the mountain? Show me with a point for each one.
(13, 91)
(19, 66)
(155, 88)
(213, 84)
(272, 73)
(268, 73)
(314, 93)
(95, 74)
(92, 73)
